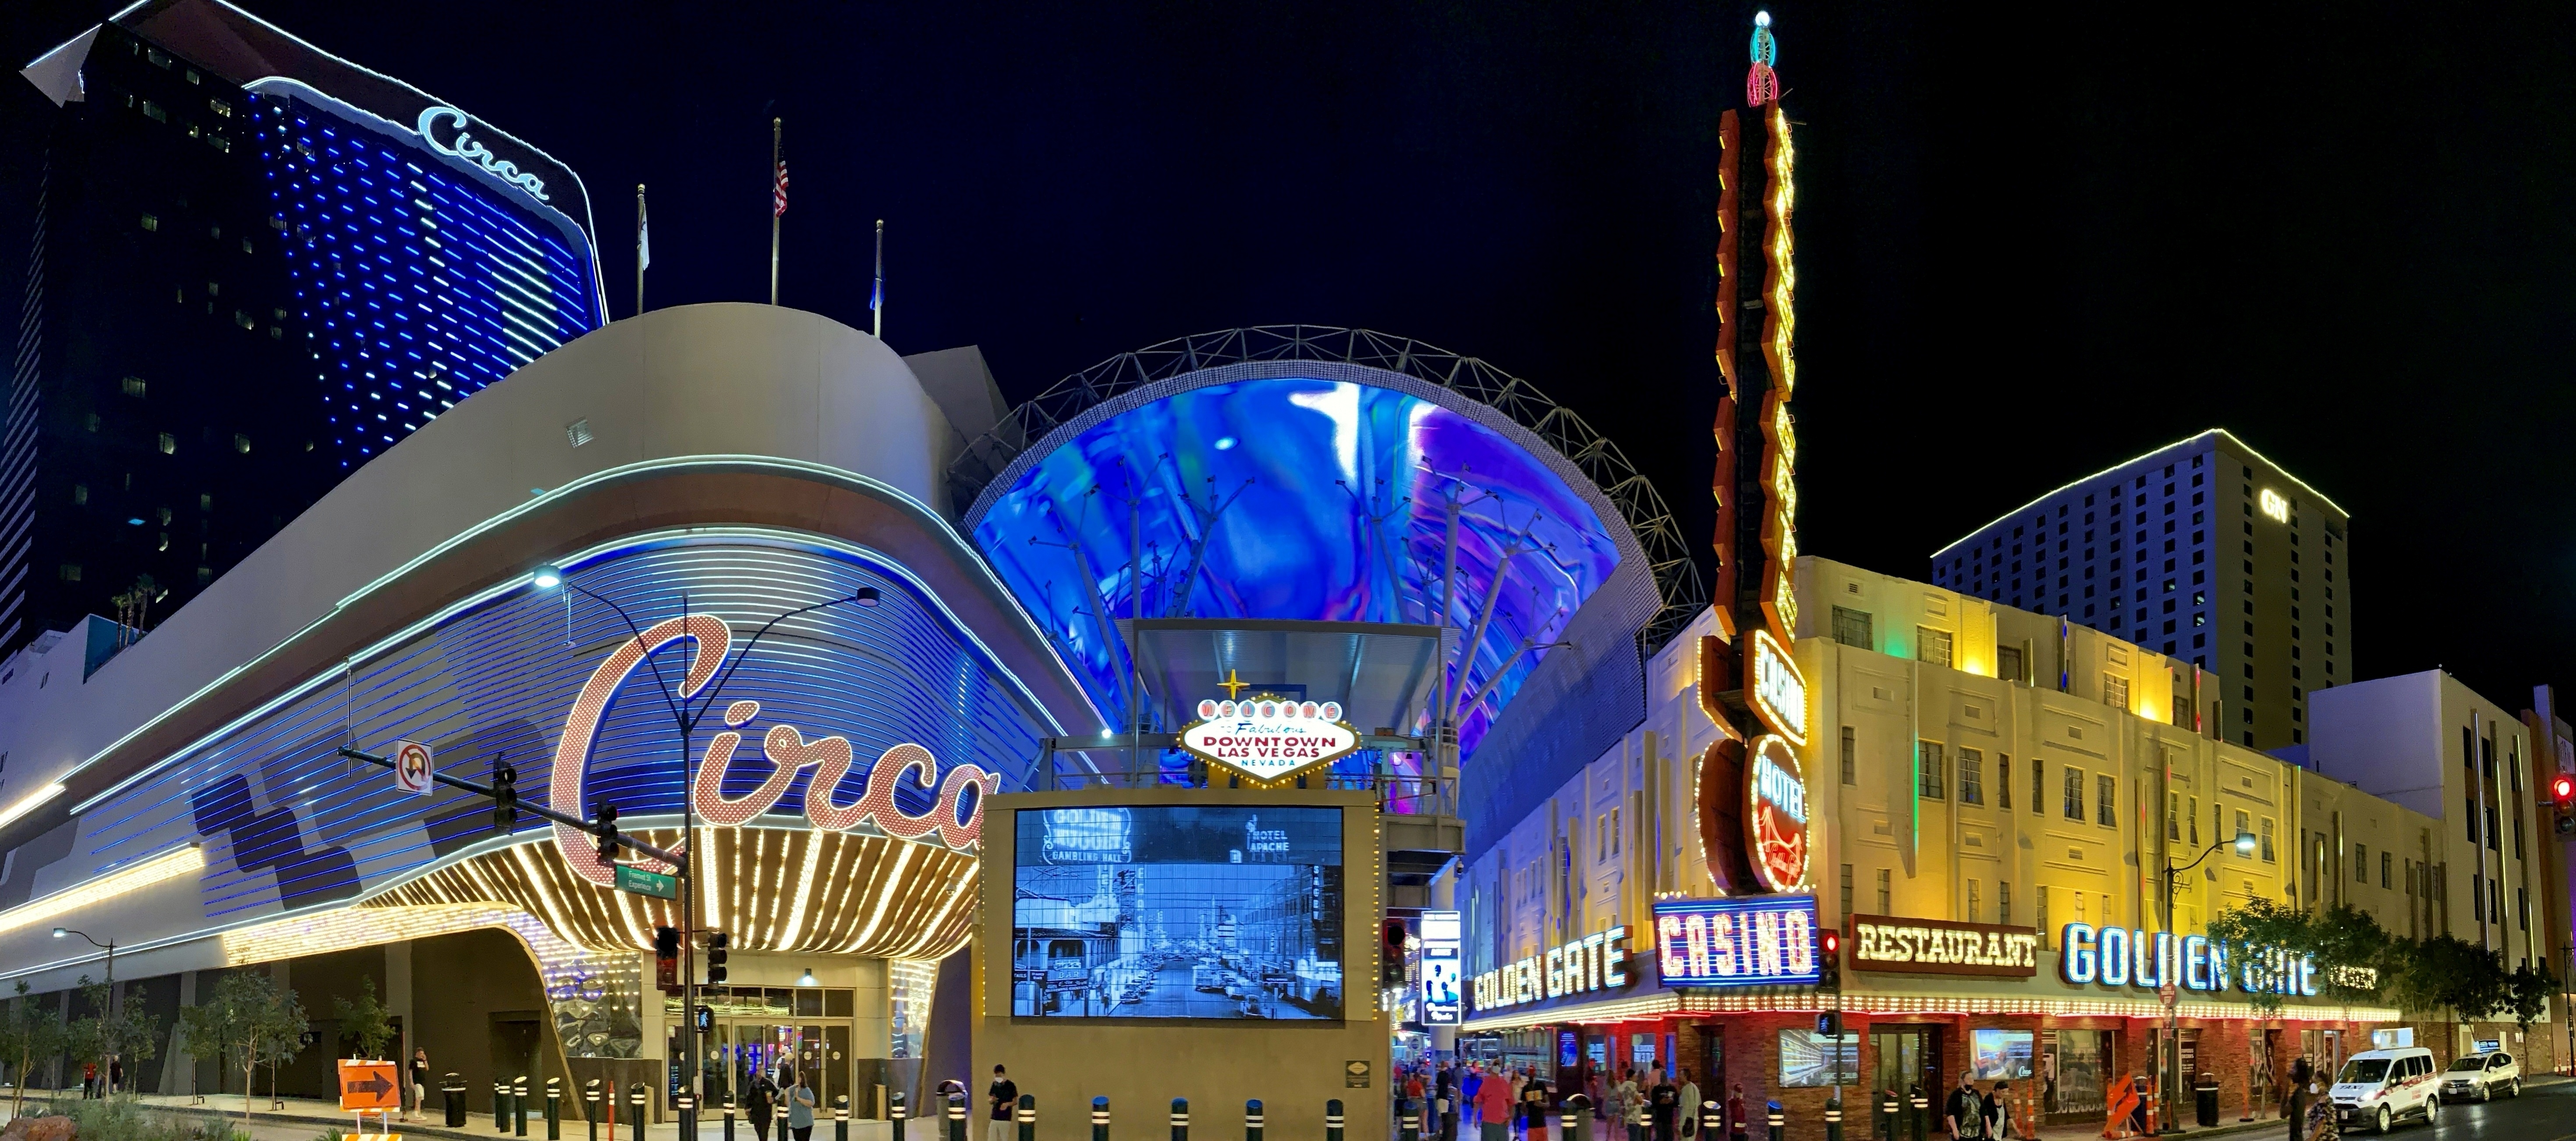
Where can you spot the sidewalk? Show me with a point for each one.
(303, 1118)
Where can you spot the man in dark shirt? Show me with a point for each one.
(1965, 1111)
(1663, 1105)
(1005, 1096)
(1445, 1103)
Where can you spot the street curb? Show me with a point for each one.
(335, 1122)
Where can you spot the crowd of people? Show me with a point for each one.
(1498, 1102)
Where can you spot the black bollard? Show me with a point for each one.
(636, 1099)
(957, 1116)
(1834, 1116)
(1180, 1119)
(895, 1112)
(1100, 1119)
(1922, 1110)
(554, 1109)
(1569, 1121)
(1712, 1119)
(590, 1102)
(729, 1112)
(452, 1088)
(1028, 1115)
(1332, 1120)
(841, 1118)
(519, 1103)
(1252, 1120)
(684, 1105)
(1779, 1121)
(500, 1107)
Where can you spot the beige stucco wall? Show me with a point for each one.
(1140, 1065)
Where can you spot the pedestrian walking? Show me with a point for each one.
(1534, 1109)
(1444, 1102)
(1004, 1094)
(419, 1083)
(1998, 1114)
(1493, 1107)
(115, 1073)
(89, 1080)
(760, 1102)
(1964, 1113)
(1663, 1106)
(1735, 1129)
(800, 1107)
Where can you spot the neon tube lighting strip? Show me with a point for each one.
(1653, 1006)
(168, 865)
(920, 511)
(2249, 450)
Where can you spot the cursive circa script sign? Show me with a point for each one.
(463, 146)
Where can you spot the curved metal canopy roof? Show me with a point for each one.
(1297, 472)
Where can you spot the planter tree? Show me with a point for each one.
(128, 1034)
(248, 1020)
(28, 1035)
(365, 1024)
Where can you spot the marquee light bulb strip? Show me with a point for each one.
(1868, 1004)
(168, 865)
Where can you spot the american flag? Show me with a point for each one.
(778, 192)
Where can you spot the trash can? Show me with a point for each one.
(2204, 1096)
(453, 1087)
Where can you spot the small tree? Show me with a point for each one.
(283, 1038)
(2255, 930)
(2446, 973)
(2527, 993)
(104, 1037)
(245, 1019)
(365, 1023)
(26, 1035)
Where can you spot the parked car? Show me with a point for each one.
(2384, 1087)
(2482, 1076)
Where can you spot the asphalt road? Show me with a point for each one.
(2542, 1113)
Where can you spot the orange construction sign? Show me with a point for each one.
(368, 1087)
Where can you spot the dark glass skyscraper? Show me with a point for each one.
(255, 266)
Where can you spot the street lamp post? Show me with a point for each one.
(686, 721)
(2172, 1061)
(110, 948)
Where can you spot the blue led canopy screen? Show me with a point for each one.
(1177, 912)
(1300, 498)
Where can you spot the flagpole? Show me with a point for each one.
(777, 132)
(640, 255)
(876, 300)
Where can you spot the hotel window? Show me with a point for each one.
(2477, 897)
(1886, 893)
(2003, 901)
(2522, 906)
(2173, 816)
(2361, 862)
(2008, 663)
(1847, 895)
(169, 444)
(2074, 794)
(1972, 777)
(1614, 831)
(1851, 628)
(2195, 822)
(2267, 837)
(1972, 901)
(2387, 878)
(2038, 788)
(2115, 691)
(2042, 918)
(1932, 646)
(2003, 781)
(1928, 763)
(1600, 838)
(1850, 757)
(2106, 791)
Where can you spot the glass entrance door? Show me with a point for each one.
(816, 1053)
(1908, 1061)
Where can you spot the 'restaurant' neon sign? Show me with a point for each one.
(785, 747)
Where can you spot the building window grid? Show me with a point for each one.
(1850, 757)
(2074, 794)
(2106, 791)
(1972, 777)
(1928, 766)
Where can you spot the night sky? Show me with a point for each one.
(2027, 250)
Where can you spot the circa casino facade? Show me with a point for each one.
(692, 475)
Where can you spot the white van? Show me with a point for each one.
(2384, 1087)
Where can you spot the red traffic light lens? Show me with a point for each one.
(1831, 941)
(2562, 788)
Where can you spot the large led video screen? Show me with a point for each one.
(1172, 911)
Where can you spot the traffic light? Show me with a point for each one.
(666, 956)
(717, 941)
(2562, 796)
(1829, 960)
(1830, 1024)
(505, 797)
(606, 814)
(1391, 960)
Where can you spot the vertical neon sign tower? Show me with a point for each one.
(1754, 841)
